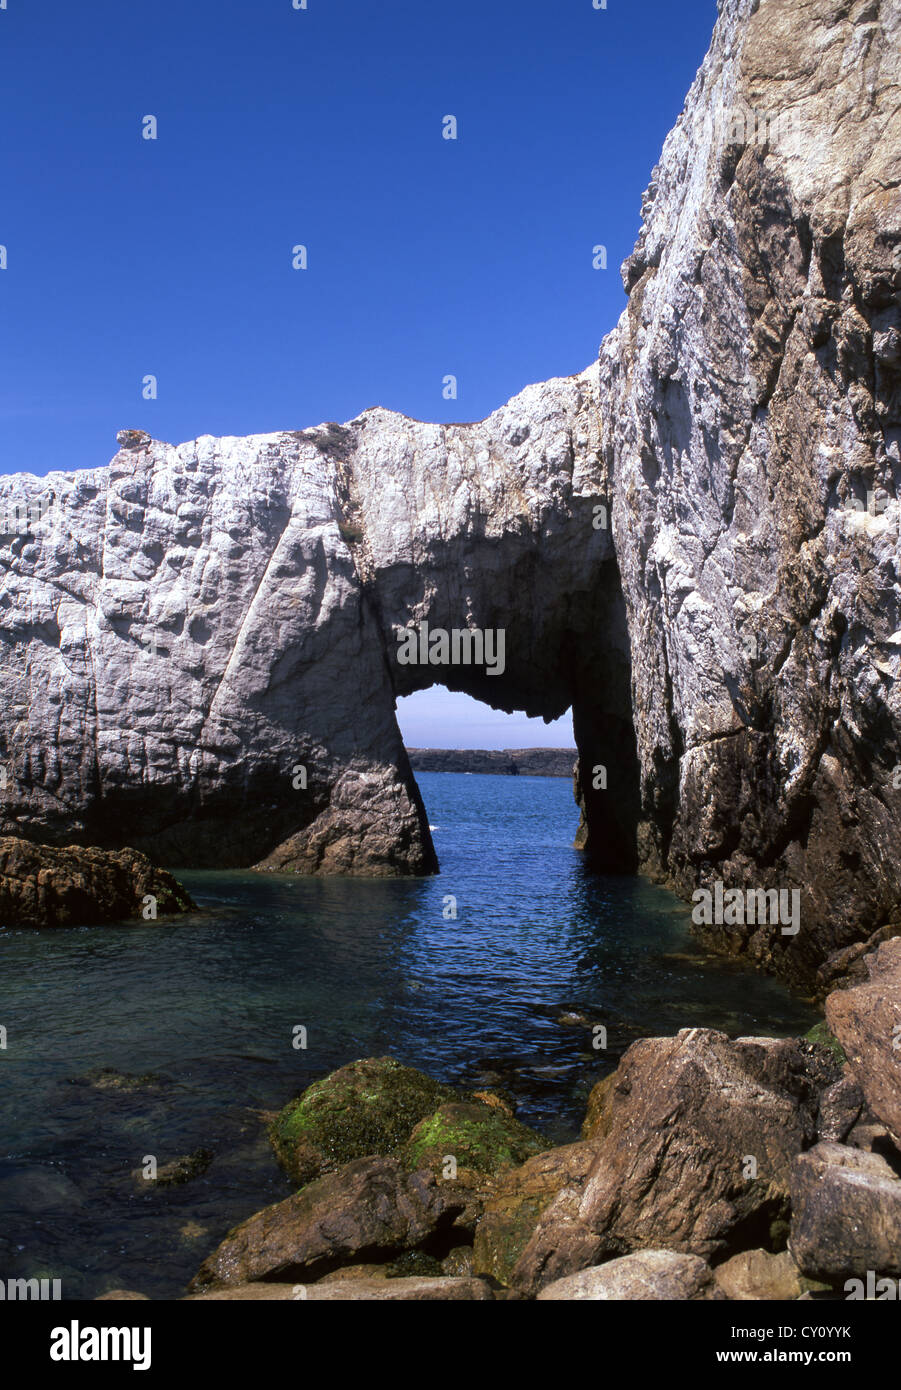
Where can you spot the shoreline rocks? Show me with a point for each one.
(366, 1211)
(866, 1020)
(647, 1275)
(46, 886)
(710, 1168)
(369, 1106)
(846, 1213)
(694, 1139)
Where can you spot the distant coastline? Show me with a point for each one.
(509, 762)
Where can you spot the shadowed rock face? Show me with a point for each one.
(190, 627)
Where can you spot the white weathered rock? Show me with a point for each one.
(750, 395)
(189, 625)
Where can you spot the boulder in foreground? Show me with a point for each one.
(367, 1107)
(867, 1022)
(695, 1137)
(516, 1202)
(647, 1275)
(846, 1213)
(368, 1211)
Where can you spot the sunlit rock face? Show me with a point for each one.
(201, 644)
(694, 544)
(751, 411)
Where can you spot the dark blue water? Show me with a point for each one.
(208, 1006)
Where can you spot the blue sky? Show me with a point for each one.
(277, 127)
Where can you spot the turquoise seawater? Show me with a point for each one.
(210, 1006)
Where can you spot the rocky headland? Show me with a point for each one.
(507, 762)
(694, 545)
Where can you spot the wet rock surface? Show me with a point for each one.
(45, 886)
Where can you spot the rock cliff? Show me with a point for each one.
(694, 544)
(751, 421)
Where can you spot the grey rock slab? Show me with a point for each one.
(846, 1213)
(647, 1274)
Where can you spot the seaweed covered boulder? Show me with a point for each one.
(481, 1139)
(367, 1107)
(48, 886)
(467, 1144)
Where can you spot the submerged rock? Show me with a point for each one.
(122, 1083)
(41, 886)
(176, 1172)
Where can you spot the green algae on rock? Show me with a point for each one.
(821, 1034)
(367, 1107)
(480, 1138)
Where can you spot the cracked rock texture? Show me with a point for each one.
(190, 635)
(751, 399)
(44, 887)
